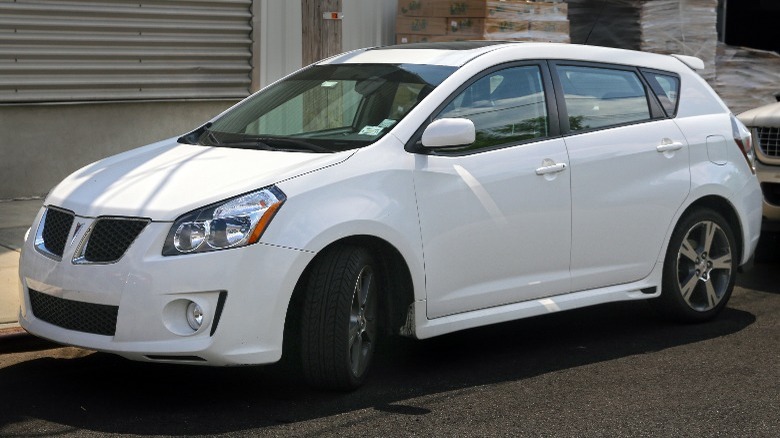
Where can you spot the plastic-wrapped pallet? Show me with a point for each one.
(528, 21)
(453, 20)
(609, 23)
(746, 78)
(686, 27)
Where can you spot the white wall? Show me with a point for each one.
(368, 23)
(278, 40)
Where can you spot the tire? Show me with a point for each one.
(700, 268)
(339, 318)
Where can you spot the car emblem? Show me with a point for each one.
(76, 232)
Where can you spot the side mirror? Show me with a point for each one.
(449, 132)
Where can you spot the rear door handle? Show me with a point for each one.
(552, 168)
(667, 147)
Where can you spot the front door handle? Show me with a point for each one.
(551, 168)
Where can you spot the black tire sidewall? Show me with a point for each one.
(671, 301)
(326, 313)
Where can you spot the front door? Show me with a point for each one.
(495, 216)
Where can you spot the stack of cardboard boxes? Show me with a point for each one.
(460, 20)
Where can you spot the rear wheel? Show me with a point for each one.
(700, 267)
(339, 321)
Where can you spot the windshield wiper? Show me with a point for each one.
(245, 144)
(208, 138)
(270, 144)
(296, 143)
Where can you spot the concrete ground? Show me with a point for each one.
(15, 218)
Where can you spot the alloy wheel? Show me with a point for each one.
(362, 321)
(704, 265)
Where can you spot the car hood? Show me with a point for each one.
(767, 116)
(164, 180)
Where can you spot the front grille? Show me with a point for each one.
(99, 319)
(56, 227)
(769, 141)
(110, 238)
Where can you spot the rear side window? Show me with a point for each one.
(507, 107)
(600, 97)
(667, 88)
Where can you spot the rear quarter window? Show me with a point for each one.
(666, 88)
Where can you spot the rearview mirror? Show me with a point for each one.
(448, 133)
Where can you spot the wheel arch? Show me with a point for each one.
(727, 210)
(397, 287)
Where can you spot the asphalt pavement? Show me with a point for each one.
(614, 370)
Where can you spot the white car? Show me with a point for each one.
(416, 190)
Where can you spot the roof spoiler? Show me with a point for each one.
(691, 61)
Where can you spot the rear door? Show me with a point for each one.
(629, 171)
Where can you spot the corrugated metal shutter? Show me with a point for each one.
(87, 50)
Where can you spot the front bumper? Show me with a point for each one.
(769, 178)
(150, 293)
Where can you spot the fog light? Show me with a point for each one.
(194, 316)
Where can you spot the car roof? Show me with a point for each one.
(457, 54)
(454, 54)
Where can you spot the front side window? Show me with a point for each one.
(325, 108)
(507, 106)
(602, 97)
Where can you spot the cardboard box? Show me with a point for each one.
(465, 26)
(461, 8)
(549, 26)
(531, 11)
(442, 8)
(474, 8)
(409, 38)
(455, 20)
(421, 25)
(512, 27)
(414, 8)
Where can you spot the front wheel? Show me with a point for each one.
(339, 324)
(700, 268)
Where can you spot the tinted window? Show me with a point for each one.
(599, 97)
(326, 108)
(666, 88)
(506, 106)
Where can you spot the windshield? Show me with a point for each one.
(324, 108)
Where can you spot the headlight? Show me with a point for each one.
(232, 223)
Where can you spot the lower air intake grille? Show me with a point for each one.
(769, 141)
(98, 319)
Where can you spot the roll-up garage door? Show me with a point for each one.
(99, 50)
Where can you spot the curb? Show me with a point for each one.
(12, 330)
